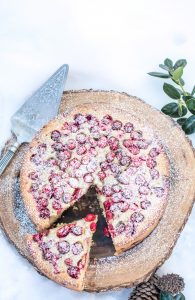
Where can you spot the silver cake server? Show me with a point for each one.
(41, 107)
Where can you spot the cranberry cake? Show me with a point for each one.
(63, 252)
(124, 159)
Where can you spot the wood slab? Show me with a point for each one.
(107, 271)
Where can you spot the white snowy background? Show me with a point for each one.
(109, 45)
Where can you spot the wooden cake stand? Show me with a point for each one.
(107, 271)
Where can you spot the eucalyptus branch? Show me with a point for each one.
(185, 101)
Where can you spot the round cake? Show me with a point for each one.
(125, 161)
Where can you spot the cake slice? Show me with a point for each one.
(62, 253)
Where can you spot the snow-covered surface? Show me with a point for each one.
(109, 45)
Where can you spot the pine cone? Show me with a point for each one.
(146, 290)
(171, 283)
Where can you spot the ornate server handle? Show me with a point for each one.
(5, 160)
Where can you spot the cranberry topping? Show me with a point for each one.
(63, 231)
(35, 159)
(110, 156)
(76, 194)
(159, 191)
(93, 226)
(109, 215)
(44, 213)
(42, 203)
(113, 143)
(75, 163)
(127, 143)
(134, 149)
(37, 237)
(58, 146)
(33, 175)
(142, 144)
(81, 150)
(107, 120)
(120, 228)
(154, 152)
(137, 217)
(115, 168)
(104, 165)
(116, 188)
(73, 272)
(102, 142)
(130, 229)
(116, 197)
(107, 191)
(136, 162)
(81, 138)
(77, 230)
(63, 165)
(144, 190)
(101, 175)
(74, 128)
(125, 160)
(64, 155)
(116, 125)
(127, 193)
(79, 119)
(145, 204)
(92, 142)
(50, 162)
(56, 205)
(85, 159)
(106, 231)
(150, 163)
(55, 135)
(136, 135)
(71, 144)
(63, 247)
(68, 261)
(128, 127)
(90, 217)
(123, 178)
(140, 180)
(82, 262)
(77, 248)
(41, 149)
(88, 178)
(154, 173)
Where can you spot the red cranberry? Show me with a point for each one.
(114, 168)
(93, 226)
(71, 144)
(133, 206)
(42, 203)
(137, 217)
(150, 163)
(75, 163)
(106, 232)
(107, 191)
(116, 125)
(55, 135)
(92, 142)
(116, 188)
(158, 191)
(154, 152)
(37, 237)
(73, 272)
(128, 127)
(41, 149)
(136, 162)
(63, 247)
(56, 205)
(63, 231)
(124, 206)
(82, 262)
(68, 261)
(127, 193)
(130, 229)
(123, 178)
(102, 142)
(136, 135)
(134, 150)
(132, 170)
(107, 120)
(58, 192)
(140, 180)
(54, 178)
(63, 165)
(90, 217)
(127, 143)
(34, 187)
(120, 228)
(64, 155)
(92, 120)
(77, 230)
(44, 213)
(145, 204)
(93, 151)
(77, 248)
(50, 162)
(109, 215)
(57, 146)
(144, 190)
(79, 119)
(73, 182)
(104, 166)
(142, 144)
(101, 175)
(107, 204)
(85, 159)
(88, 178)
(110, 156)
(35, 159)
(125, 160)
(74, 128)
(116, 197)
(154, 173)
(113, 143)
(81, 150)
(66, 126)
(81, 138)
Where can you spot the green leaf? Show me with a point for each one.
(182, 82)
(179, 296)
(191, 105)
(171, 91)
(177, 73)
(172, 110)
(168, 62)
(181, 121)
(193, 91)
(164, 67)
(189, 125)
(159, 74)
(180, 63)
(166, 296)
(185, 98)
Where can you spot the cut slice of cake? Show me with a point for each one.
(62, 253)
